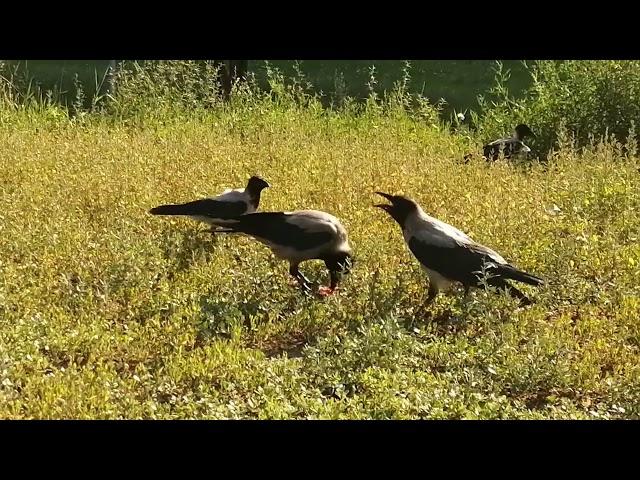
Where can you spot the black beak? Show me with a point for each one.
(384, 206)
(259, 182)
(385, 195)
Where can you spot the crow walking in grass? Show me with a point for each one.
(449, 255)
(217, 211)
(299, 236)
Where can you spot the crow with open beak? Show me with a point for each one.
(449, 255)
(299, 236)
(219, 210)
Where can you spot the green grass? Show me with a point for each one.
(459, 82)
(108, 312)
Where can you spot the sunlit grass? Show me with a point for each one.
(108, 312)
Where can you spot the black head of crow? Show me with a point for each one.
(254, 188)
(448, 255)
(300, 236)
(218, 210)
(522, 131)
(400, 209)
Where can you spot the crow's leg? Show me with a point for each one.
(303, 281)
(333, 286)
(431, 294)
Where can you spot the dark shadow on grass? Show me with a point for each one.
(182, 247)
(220, 317)
(442, 321)
(291, 343)
(445, 315)
(539, 395)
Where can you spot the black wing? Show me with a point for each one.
(203, 208)
(508, 146)
(273, 226)
(464, 263)
(455, 263)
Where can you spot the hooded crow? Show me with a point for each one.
(509, 146)
(218, 210)
(300, 236)
(449, 255)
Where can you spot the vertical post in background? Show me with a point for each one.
(111, 77)
(233, 70)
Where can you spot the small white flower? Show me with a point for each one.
(460, 116)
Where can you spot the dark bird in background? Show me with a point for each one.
(449, 255)
(300, 236)
(509, 146)
(219, 210)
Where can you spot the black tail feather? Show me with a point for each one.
(171, 210)
(511, 290)
(512, 273)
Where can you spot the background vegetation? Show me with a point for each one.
(459, 82)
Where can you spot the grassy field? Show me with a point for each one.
(459, 82)
(108, 312)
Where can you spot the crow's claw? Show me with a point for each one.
(306, 287)
(325, 291)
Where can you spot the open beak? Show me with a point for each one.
(384, 206)
(385, 195)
